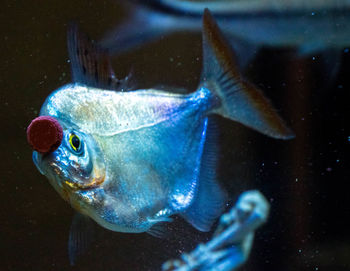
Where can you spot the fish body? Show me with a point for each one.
(131, 159)
(309, 27)
(151, 143)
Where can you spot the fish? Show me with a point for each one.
(307, 28)
(130, 159)
(258, 6)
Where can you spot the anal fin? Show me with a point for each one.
(209, 201)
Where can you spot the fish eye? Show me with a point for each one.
(75, 143)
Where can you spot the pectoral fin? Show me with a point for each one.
(159, 230)
(81, 235)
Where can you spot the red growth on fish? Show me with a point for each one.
(44, 134)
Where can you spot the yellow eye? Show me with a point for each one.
(74, 142)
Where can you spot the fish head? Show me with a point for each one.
(76, 166)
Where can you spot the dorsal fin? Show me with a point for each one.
(89, 62)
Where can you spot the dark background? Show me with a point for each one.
(304, 179)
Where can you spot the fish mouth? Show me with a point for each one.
(37, 159)
(68, 187)
(61, 177)
(96, 181)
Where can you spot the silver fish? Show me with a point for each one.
(247, 6)
(307, 26)
(131, 159)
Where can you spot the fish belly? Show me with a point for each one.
(153, 171)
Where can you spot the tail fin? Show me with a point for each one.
(239, 100)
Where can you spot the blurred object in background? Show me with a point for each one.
(307, 27)
(232, 241)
